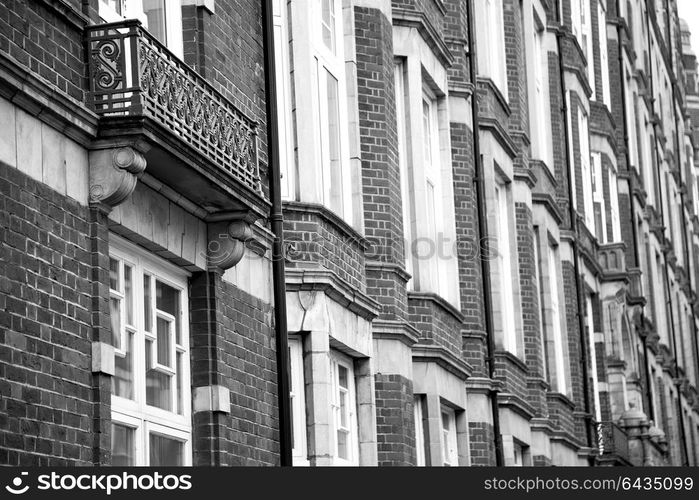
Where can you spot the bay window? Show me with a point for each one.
(162, 18)
(319, 106)
(539, 115)
(426, 180)
(150, 387)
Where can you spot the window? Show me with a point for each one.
(539, 116)
(162, 18)
(604, 54)
(428, 209)
(329, 63)
(589, 325)
(614, 206)
(449, 448)
(599, 211)
(406, 196)
(492, 42)
(419, 430)
(433, 184)
(558, 381)
(518, 455)
(150, 387)
(586, 41)
(585, 170)
(284, 115)
(509, 335)
(298, 402)
(344, 409)
(576, 16)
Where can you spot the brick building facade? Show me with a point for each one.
(491, 233)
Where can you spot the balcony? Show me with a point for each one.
(612, 259)
(198, 142)
(612, 442)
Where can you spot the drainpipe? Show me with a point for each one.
(482, 234)
(276, 220)
(680, 416)
(574, 228)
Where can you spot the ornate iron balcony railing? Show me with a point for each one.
(133, 74)
(612, 440)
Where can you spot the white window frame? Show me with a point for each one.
(448, 439)
(508, 324)
(426, 179)
(314, 62)
(284, 100)
(405, 176)
(598, 196)
(561, 385)
(337, 360)
(576, 13)
(133, 9)
(136, 413)
(418, 416)
(297, 394)
(604, 52)
(492, 42)
(586, 171)
(538, 67)
(433, 184)
(586, 43)
(593, 357)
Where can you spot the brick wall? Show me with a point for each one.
(46, 304)
(395, 425)
(46, 43)
(233, 345)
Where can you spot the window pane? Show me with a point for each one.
(342, 448)
(155, 14)
(328, 23)
(115, 317)
(128, 295)
(122, 381)
(115, 5)
(165, 451)
(344, 417)
(123, 453)
(427, 139)
(342, 372)
(166, 298)
(114, 275)
(158, 385)
(147, 310)
(159, 390)
(164, 343)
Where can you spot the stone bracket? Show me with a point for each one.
(113, 174)
(103, 358)
(227, 243)
(211, 398)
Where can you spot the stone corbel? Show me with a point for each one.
(227, 243)
(113, 175)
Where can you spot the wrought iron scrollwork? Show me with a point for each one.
(107, 73)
